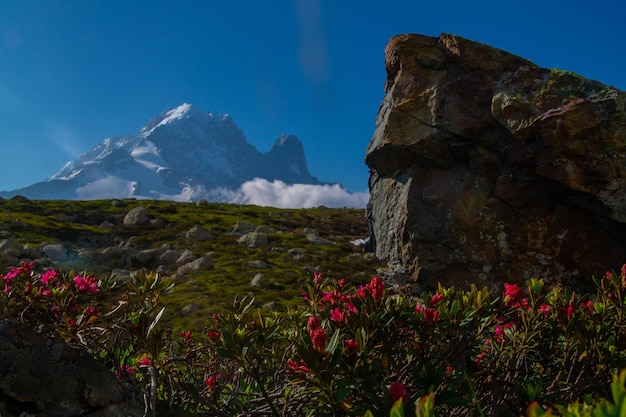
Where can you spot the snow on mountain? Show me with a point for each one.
(183, 154)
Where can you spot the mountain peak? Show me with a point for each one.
(181, 154)
(182, 112)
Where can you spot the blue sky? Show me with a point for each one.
(73, 73)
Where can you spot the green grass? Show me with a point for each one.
(76, 224)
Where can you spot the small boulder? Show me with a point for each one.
(253, 240)
(55, 251)
(260, 280)
(198, 234)
(203, 263)
(136, 216)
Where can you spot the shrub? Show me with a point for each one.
(346, 350)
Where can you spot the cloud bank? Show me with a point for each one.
(262, 192)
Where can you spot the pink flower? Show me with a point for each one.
(7, 289)
(212, 334)
(211, 382)
(352, 346)
(91, 311)
(338, 315)
(187, 336)
(376, 287)
(397, 391)
(569, 309)
(49, 276)
(145, 361)
(500, 328)
(124, 369)
(86, 284)
(317, 276)
(513, 295)
(10, 275)
(314, 323)
(297, 366)
(431, 315)
(545, 309)
(435, 299)
(319, 339)
(588, 307)
(41, 292)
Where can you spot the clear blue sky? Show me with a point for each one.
(75, 72)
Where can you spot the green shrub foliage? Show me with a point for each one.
(345, 350)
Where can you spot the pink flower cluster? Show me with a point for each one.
(86, 284)
(317, 334)
(376, 287)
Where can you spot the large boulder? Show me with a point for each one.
(48, 377)
(487, 168)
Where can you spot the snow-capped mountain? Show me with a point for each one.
(182, 154)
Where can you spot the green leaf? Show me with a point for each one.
(333, 342)
(154, 322)
(398, 409)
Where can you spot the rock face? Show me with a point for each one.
(48, 376)
(487, 168)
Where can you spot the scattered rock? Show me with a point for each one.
(243, 228)
(198, 234)
(55, 251)
(136, 216)
(265, 229)
(260, 280)
(9, 247)
(186, 257)
(170, 256)
(258, 264)
(203, 263)
(253, 240)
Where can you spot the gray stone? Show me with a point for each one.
(136, 216)
(148, 256)
(258, 264)
(198, 234)
(243, 228)
(10, 247)
(186, 257)
(203, 263)
(55, 251)
(260, 280)
(170, 256)
(254, 240)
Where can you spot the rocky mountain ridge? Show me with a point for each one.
(183, 154)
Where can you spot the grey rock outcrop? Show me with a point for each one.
(487, 168)
(50, 377)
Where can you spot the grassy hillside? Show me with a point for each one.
(287, 260)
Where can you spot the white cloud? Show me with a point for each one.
(261, 192)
